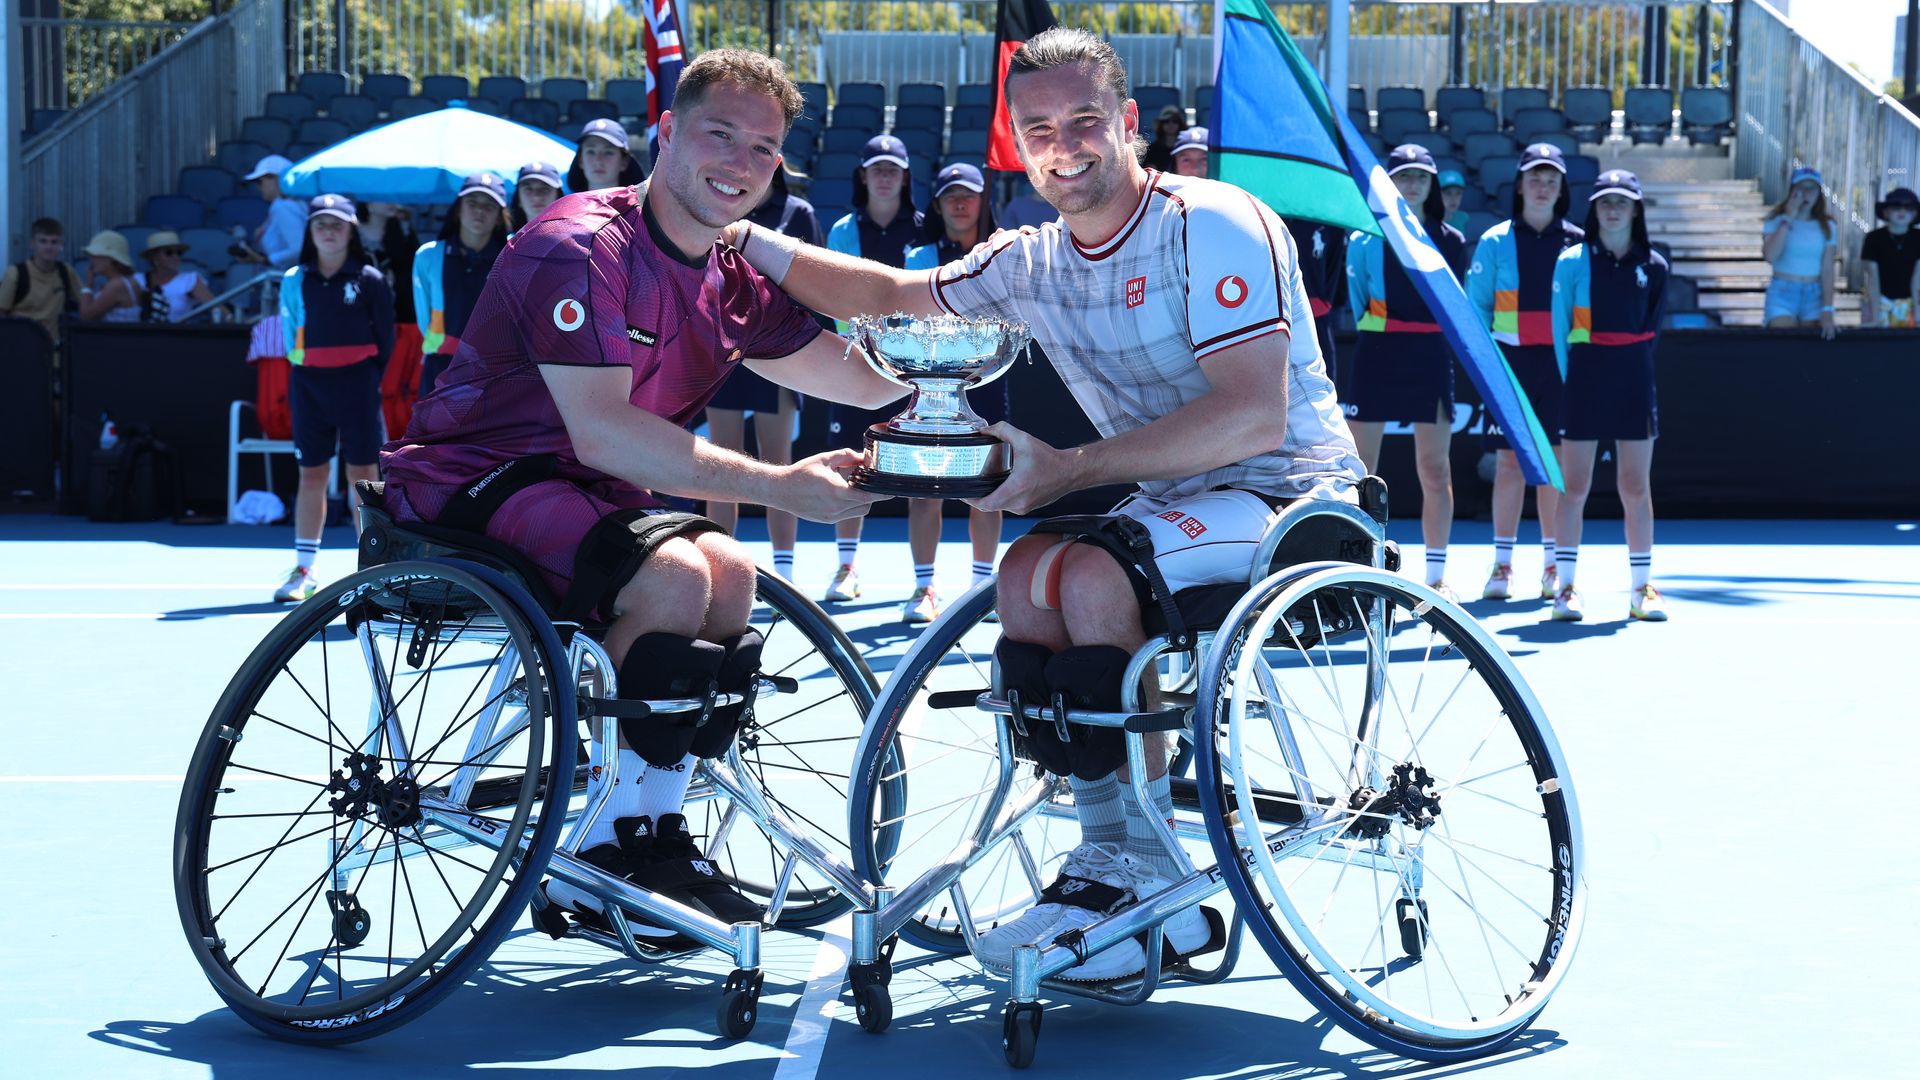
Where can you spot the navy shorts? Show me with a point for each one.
(336, 408)
(1400, 377)
(1539, 373)
(1610, 393)
(745, 391)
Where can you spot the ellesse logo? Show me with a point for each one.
(1231, 291)
(569, 314)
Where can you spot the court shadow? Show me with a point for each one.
(1546, 631)
(264, 607)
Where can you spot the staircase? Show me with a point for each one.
(1712, 227)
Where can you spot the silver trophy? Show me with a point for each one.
(938, 448)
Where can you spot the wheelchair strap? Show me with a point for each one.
(613, 550)
(1128, 541)
(473, 506)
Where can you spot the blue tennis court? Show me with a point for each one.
(1741, 769)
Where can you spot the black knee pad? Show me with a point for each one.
(1023, 672)
(1090, 677)
(667, 666)
(737, 669)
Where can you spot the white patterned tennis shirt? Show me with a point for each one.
(1200, 266)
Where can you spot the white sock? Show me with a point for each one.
(1642, 564)
(923, 575)
(1436, 564)
(1097, 804)
(305, 550)
(783, 562)
(644, 791)
(1546, 549)
(1565, 561)
(1503, 550)
(982, 570)
(848, 549)
(1143, 843)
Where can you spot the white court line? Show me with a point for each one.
(813, 1014)
(43, 587)
(170, 616)
(137, 778)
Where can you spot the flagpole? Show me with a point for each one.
(1339, 20)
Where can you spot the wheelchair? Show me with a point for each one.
(388, 779)
(1361, 768)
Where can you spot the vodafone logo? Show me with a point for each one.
(569, 314)
(1231, 291)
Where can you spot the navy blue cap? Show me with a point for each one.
(332, 206)
(885, 148)
(541, 171)
(486, 184)
(607, 129)
(1541, 153)
(1410, 156)
(1896, 198)
(1194, 138)
(958, 174)
(1616, 182)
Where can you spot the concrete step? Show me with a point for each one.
(1706, 204)
(1725, 273)
(1844, 304)
(1697, 226)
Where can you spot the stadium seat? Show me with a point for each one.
(932, 94)
(208, 248)
(412, 106)
(581, 110)
(974, 94)
(1528, 124)
(502, 90)
(1152, 99)
(800, 148)
(1443, 162)
(269, 131)
(1400, 97)
(563, 91)
(300, 151)
(844, 140)
(445, 88)
(1562, 139)
(1472, 199)
(922, 166)
(536, 112)
(486, 105)
(629, 96)
(972, 118)
(321, 85)
(1515, 98)
(815, 96)
(320, 132)
(1497, 169)
(1361, 118)
(246, 211)
(1589, 111)
(919, 118)
(1649, 113)
(1397, 126)
(358, 111)
(290, 106)
(174, 212)
(206, 184)
(1483, 144)
(1376, 144)
(1356, 98)
(1451, 99)
(836, 163)
(1437, 143)
(1502, 197)
(1479, 221)
(835, 192)
(854, 115)
(1682, 294)
(923, 189)
(871, 94)
(385, 87)
(1471, 120)
(1706, 114)
(970, 143)
(1203, 105)
(240, 156)
(920, 141)
(1577, 198)
(1582, 169)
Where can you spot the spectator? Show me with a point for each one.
(171, 289)
(1609, 294)
(1321, 251)
(1890, 254)
(1403, 368)
(277, 241)
(1190, 152)
(882, 227)
(336, 317)
(42, 286)
(1166, 132)
(113, 294)
(604, 159)
(1801, 240)
(1026, 208)
(747, 393)
(957, 220)
(449, 273)
(1453, 191)
(386, 231)
(533, 191)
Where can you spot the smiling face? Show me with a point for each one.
(1074, 135)
(717, 159)
(601, 161)
(1540, 187)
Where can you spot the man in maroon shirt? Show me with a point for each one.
(605, 327)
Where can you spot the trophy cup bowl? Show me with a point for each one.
(938, 448)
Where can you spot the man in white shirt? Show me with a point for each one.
(1174, 311)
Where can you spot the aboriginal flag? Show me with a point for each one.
(1018, 21)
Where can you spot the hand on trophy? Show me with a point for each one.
(818, 489)
(1040, 473)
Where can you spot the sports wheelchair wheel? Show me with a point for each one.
(925, 773)
(368, 807)
(1393, 812)
(797, 749)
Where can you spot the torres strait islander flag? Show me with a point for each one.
(1018, 21)
(1277, 135)
(660, 37)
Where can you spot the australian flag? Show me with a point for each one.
(665, 58)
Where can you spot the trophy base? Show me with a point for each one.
(913, 466)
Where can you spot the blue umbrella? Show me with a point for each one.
(422, 159)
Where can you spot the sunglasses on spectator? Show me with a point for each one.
(168, 251)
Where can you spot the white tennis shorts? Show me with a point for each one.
(1204, 539)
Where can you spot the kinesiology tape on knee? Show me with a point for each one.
(1022, 672)
(662, 666)
(741, 664)
(1090, 677)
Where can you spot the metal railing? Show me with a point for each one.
(65, 62)
(1799, 106)
(90, 170)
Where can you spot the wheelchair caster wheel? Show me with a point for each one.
(873, 1007)
(351, 923)
(739, 1004)
(1020, 1032)
(1412, 915)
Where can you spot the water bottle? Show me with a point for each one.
(109, 434)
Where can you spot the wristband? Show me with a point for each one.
(769, 251)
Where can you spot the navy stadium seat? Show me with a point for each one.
(1361, 118)
(814, 94)
(563, 90)
(1376, 144)
(412, 106)
(1451, 99)
(1502, 197)
(269, 131)
(1436, 142)
(844, 140)
(834, 191)
(1443, 162)
(921, 94)
(174, 212)
(206, 184)
(974, 94)
(1400, 97)
(1578, 197)
(855, 115)
(920, 141)
(445, 88)
(1706, 113)
(972, 118)
(208, 247)
(501, 89)
(247, 211)
(240, 156)
(1203, 105)
(321, 85)
(1356, 98)
(1497, 169)
(1589, 111)
(358, 111)
(1582, 169)
(1399, 125)
(581, 110)
(800, 148)
(1481, 144)
(1649, 113)
(1471, 120)
(537, 112)
(1152, 99)
(300, 151)
(919, 118)
(970, 143)
(385, 87)
(861, 93)
(320, 132)
(1530, 123)
(486, 105)
(290, 106)
(1515, 98)
(629, 96)
(1562, 139)
(837, 163)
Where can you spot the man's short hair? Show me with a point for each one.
(742, 69)
(46, 226)
(1067, 46)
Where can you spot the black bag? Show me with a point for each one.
(135, 480)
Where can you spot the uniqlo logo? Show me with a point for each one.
(1136, 292)
(1172, 515)
(1192, 527)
